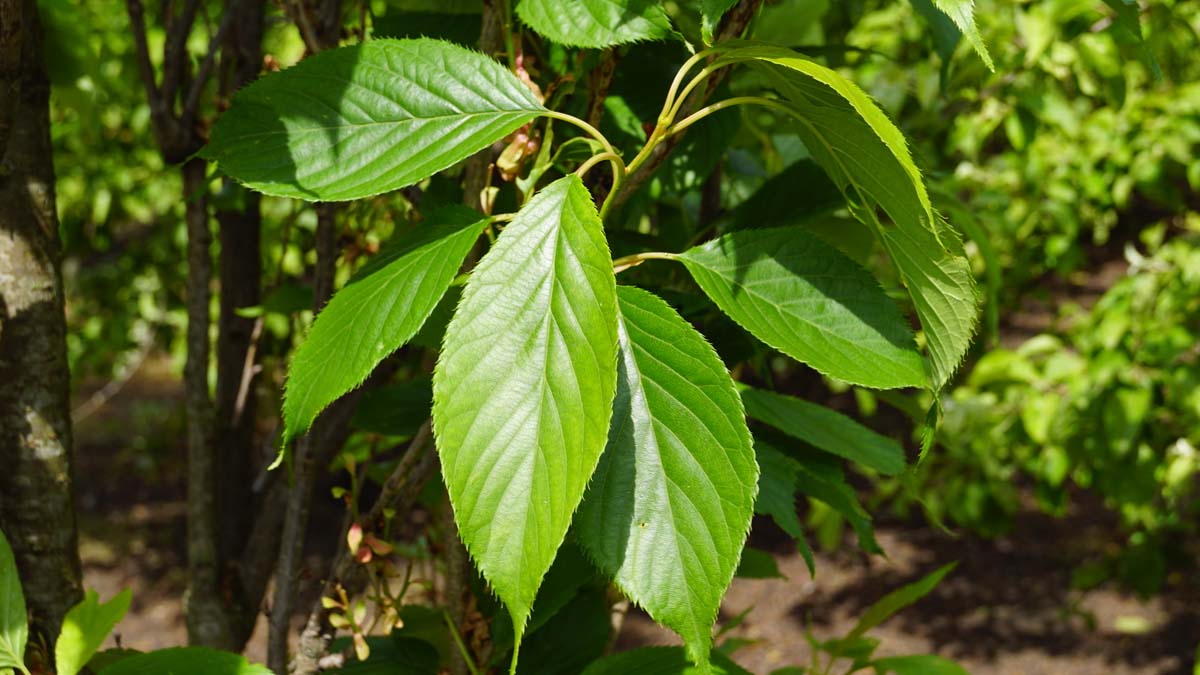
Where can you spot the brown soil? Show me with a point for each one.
(1007, 609)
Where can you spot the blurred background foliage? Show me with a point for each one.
(1070, 168)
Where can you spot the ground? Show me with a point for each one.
(1007, 609)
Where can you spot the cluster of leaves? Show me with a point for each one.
(1113, 408)
(1090, 125)
(84, 630)
(566, 406)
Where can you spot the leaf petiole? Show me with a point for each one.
(623, 263)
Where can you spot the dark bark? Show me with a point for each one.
(304, 466)
(208, 622)
(36, 503)
(240, 273)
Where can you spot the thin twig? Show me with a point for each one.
(192, 101)
(400, 492)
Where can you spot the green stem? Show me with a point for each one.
(591, 130)
(687, 91)
(687, 66)
(462, 647)
(721, 105)
(617, 164)
(625, 262)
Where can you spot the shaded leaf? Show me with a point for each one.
(962, 13)
(185, 661)
(84, 629)
(946, 35)
(711, 12)
(758, 564)
(524, 386)
(778, 203)
(777, 499)
(670, 504)
(820, 478)
(364, 119)
(596, 23)
(809, 301)
(462, 29)
(392, 655)
(380, 309)
(922, 664)
(396, 409)
(661, 661)
(825, 429)
(576, 635)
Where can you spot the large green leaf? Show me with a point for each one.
(670, 505)
(660, 661)
(85, 628)
(524, 386)
(596, 23)
(868, 158)
(14, 626)
(185, 661)
(360, 120)
(825, 429)
(962, 13)
(809, 301)
(380, 309)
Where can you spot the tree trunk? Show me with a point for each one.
(36, 502)
(240, 272)
(207, 621)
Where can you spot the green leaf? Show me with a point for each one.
(711, 12)
(569, 573)
(576, 635)
(360, 120)
(392, 655)
(1128, 21)
(757, 564)
(922, 664)
(820, 477)
(825, 429)
(596, 23)
(185, 661)
(898, 600)
(868, 158)
(809, 301)
(962, 13)
(946, 35)
(14, 627)
(777, 499)
(84, 629)
(669, 508)
(524, 386)
(462, 29)
(397, 409)
(661, 661)
(775, 204)
(380, 309)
